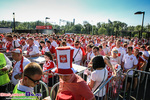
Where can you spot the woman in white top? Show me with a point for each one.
(98, 76)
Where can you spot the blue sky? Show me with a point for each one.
(92, 11)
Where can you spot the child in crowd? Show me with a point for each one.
(49, 64)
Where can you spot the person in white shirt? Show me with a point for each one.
(16, 38)
(24, 46)
(121, 51)
(11, 44)
(129, 61)
(19, 65)
(98, 76)
(32, 49)
(114, 59)
(77, 54)
(36, 43)
(106, 49)
(53, 42)
(90, 53)
(145, 53)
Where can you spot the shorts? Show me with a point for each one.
(99, 98)
(129, 79)
(51, 81)
(135, 74)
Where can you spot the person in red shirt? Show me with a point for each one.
(83, 44)
(42, 43)
(101, 50)
(49, 64)
(138, 46)
(72, 86)
(140, 65)
(141, 60)
(50, 48)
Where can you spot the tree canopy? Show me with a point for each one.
(110, 28)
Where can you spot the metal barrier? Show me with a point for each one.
(54, 88)
(119, 91)
(140, 92)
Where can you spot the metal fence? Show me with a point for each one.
(139, 91)
(119, 88)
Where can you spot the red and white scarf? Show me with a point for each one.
(21, 65)
(8, 45)
(29, 49)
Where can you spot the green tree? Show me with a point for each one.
(102, 30)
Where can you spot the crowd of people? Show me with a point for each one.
(103, 54)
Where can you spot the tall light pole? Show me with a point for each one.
(14, 21)
(92, 26)
(46, 21)
(140, 12)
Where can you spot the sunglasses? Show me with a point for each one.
(115, 52)
(76, 44)
(35, 82)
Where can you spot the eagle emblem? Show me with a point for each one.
(63, 58)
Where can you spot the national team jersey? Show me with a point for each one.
(50, 49)
(129, 62)
(48, 65)
(121, 52)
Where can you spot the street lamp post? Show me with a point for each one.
(46, 21)
(140, 12)
(14, 21)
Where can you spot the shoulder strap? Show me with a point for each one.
(21, 65)
(102, 81)
(77, 53)
(14, 44)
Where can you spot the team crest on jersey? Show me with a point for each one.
(63, 58)
(131, 58)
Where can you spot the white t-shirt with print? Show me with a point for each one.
(34, 51)
(121, 52)
(106, 50)
(129, 62)
(145, 53)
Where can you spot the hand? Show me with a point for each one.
(126, 70)
(27, 56)
(90, 65)
(4, 69)
(44, 73)
(17, 76)
(10, 75)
